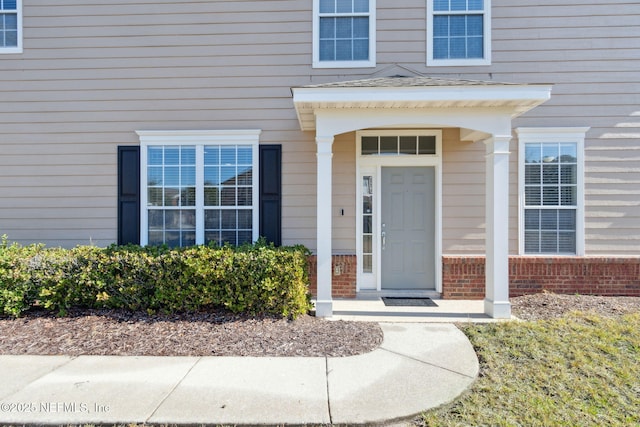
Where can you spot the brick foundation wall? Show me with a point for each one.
(463, 276)
(344, 275)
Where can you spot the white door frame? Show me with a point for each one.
(371, 165)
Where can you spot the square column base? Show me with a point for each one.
(497, 309)
(324, 308)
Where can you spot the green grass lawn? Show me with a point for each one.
(581, 370)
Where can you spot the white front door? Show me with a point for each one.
(398, 210)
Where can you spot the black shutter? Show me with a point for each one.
(128, 195)
(271, 193)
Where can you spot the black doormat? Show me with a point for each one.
(408, 302)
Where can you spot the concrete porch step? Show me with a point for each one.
(374, 310)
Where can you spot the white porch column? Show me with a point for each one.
(496, 301)
(324, 303)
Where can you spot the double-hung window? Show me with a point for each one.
(343, 33)
(199, 187)
(551, 188)
(458, 32)
(10, 26)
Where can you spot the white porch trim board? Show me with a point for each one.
(496, 302)
(324, 303)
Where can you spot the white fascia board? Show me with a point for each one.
(505, 93)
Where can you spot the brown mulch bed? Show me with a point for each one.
(549, 306)
(213, 333)
(220, 333)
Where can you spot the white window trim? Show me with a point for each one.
(371, 165)
(344, 64)
(199, 138)
(460, 62)
(17, 49)
(574, 135)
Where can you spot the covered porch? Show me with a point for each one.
(480, 111)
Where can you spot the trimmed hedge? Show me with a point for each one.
(255, 279)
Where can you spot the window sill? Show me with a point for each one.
(344, 64)
(10, 50)
(549, 255)
(457, 62)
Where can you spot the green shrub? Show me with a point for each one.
(254, 279)
(17, 291)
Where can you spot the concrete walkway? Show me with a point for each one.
(419, 366)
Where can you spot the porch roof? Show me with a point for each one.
(415, 93)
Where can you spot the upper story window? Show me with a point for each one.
(10, 26)
(458, 32)
(343, 33)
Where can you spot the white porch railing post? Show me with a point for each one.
(496, 302)
(324, 303)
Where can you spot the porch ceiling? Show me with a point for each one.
(415, 93)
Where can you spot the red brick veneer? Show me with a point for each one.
(344, 275)
(463, 276)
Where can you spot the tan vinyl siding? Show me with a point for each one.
(613, 195)
(57, 194)
(344, 194)
(592, 54)
(590, 51)
(463, 204)
(92, 73)
(298, 192)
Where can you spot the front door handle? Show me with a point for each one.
(384, 240)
